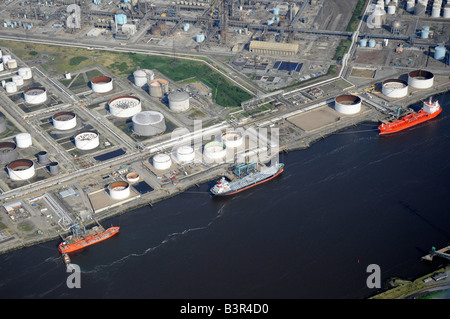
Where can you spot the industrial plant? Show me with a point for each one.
(142, 100)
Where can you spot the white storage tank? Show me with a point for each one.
(162, 162)
(125, 106)
(10, 87)
(87, 140)
(18, 80)
(394, 88)
(436, 11)
(347, 104)
(185, 154)
(148, 123)
(35, 95)
(64, 120)
(25, 73)
(439, 52)
(132, 177)
(410, 4)
(12, 63)
(140, 78)
(5, 59)
(391, 7)
(179, 101)
(420, 79)
(446, 11)
(214, 151)
(21, 169)
(232, 138)
(101, 84)
(24, 140)
(119, 190)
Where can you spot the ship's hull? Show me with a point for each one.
(232, 192)
(407, 122)
(87, 241)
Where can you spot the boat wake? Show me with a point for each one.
(169, 238)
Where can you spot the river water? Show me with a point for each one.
(349, 201)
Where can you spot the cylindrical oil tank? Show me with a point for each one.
(119, 190)
(185, 154)
(140, 78)
(420, 79)
(35, 95)
(179, 101)
(25, 73)
(43, 157)
(101, 84)
(132, 177)
(24, 140)
(150, 74)
(6, 58)
(199, 38)
(64, 120)
(8, 152)
(410, 4)
(17, 79)
(214, 151)
(424, 33)
(391, 7)
(446, 11)
(162, 162)
(87, 140)
(21, 169)
(372, 43)
(436, 11)
(148, 123)
(125, 106)
(11, 87)
(232, 138)
(439, 52)
(347, 104)
(394, 88)
(12, 63)
(53, 168)
(158, 87)
(2, 124)
(363, 42)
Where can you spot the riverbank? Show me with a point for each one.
(307, 140)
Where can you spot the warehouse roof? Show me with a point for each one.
(264, 45)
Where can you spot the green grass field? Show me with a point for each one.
(58, 60)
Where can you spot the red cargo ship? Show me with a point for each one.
(76, 242)
(429, 110)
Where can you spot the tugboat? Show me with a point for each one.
(429, 110)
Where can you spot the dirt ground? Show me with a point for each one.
(315, 119)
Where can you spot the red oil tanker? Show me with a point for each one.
(429, 110)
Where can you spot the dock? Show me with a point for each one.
(439, 253)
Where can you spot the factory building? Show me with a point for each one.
(273, 48)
